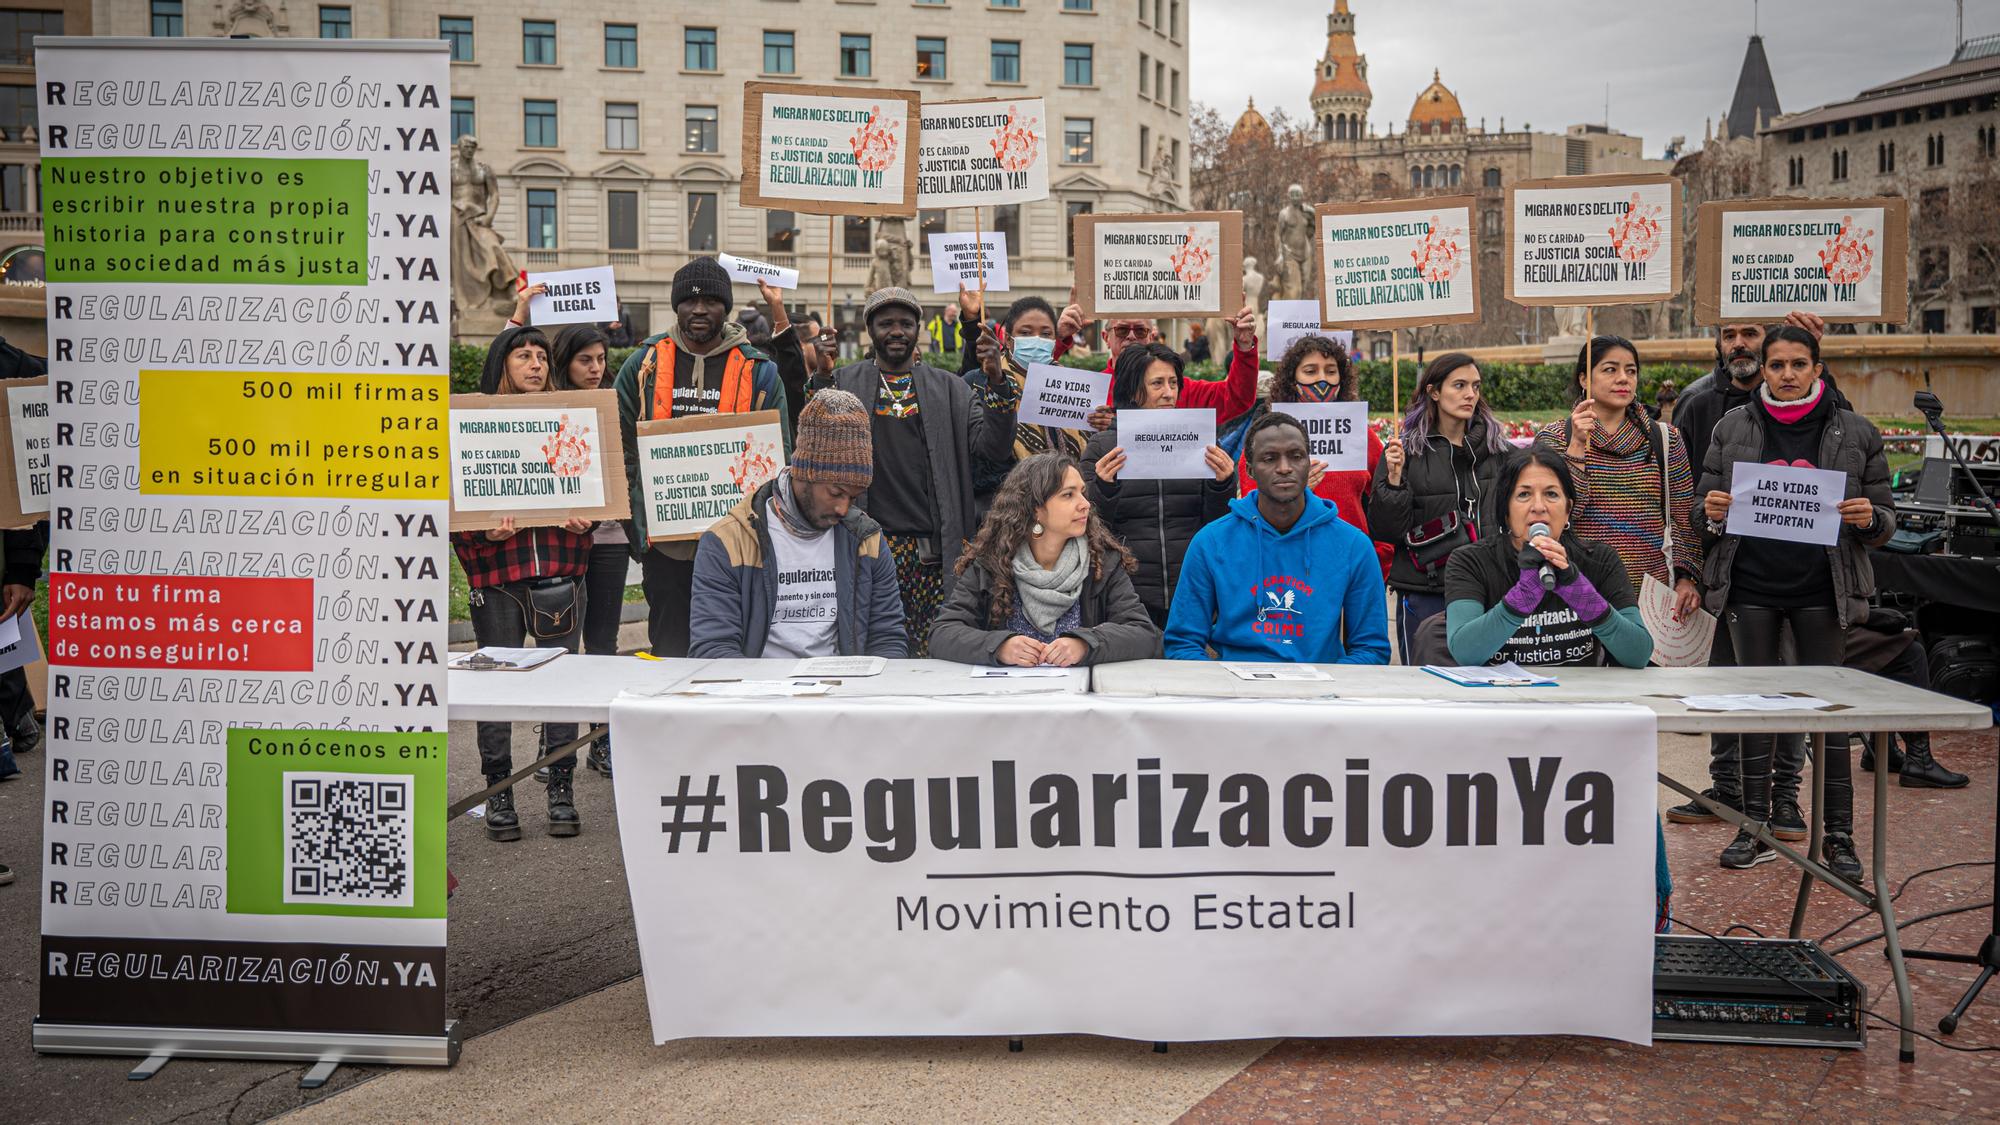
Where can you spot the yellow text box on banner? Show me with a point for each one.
(245, 433)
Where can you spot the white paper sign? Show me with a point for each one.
(586, 296)
(693, 478)
(1580, 243)
(1166, 444)
(1053, 395)
(752, 271)
(1822, 260)
(1277, 672)
(28, 418)
(526, 460)
(1286, 321)
(844, 149)
(956, 258)
(1338, 432)
(24, 648)
(1677, 643)
(1158, 267)
(1385, 265)
(982, 154)
(839, 666)
(1785, 502)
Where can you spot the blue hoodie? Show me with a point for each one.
(1254, 595)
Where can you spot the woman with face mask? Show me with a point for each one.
(1761, 586)
(1317, 369)
(1026, 336)
(579, 363)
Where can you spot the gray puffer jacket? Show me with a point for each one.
(1850, 444)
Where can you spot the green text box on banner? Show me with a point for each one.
(337, 822)
(206, 219)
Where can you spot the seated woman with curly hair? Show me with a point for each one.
(1044, 581)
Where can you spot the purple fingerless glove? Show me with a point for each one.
(1590, 606)
(1526, 594)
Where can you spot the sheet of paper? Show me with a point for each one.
(505, 659)
(1276, 672)
(956, 260)
(24, 649)
(750, 271)
(834, 666)
(1753, 703)
(10, 631)
(1063, 397)
(1338, 432)
(1786, 502)
(1676, 643)
(1286, 321)
(585, 296)
(1037, 673)
(1166, 444)
(757, 689)
(1509, 674)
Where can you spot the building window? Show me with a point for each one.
(336, 23)
(541, 219)
(781, 232)
(1159, 80)
(1174, 96)
(461, 119)
(699, 49)
(455, 30)
(1934, 150)
(1142, 13)
(1840, 164)
(1491, 177)
(855, 235)
(538, 124)
(1007, 221)
(621, 214)
(929, 222)
(1989, 141)
(19, 28)
(1416, 177)
(621, 126)
(1983, 321)
(1006, 60)
(1934, 204)
(14, 188)
(930, 58)
(1078, 65)
(1005, 3)
(1885, 156)
(1795, 171)
(621, 45)
(1070, 211)
(1489, 224)
(779, 56)
(1079, 140)
(704, 129)
(1079, 5)
(167, 22)
(857, 56)
(1933, 270)
(1145, 74)
(538, 42)
(701, 220)
(17, 111)
(1934, 320)
(1145, 146)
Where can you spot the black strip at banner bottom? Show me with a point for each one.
(256, 985)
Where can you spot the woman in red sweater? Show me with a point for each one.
(1316, 369)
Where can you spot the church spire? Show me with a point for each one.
(1756, 100)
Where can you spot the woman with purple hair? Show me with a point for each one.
(1433, 488)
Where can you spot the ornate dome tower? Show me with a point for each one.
(1340, 93)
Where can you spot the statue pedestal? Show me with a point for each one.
(1562, 349)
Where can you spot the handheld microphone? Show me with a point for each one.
(1547, 572)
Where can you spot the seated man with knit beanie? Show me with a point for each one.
(705, 364)
(796, 570)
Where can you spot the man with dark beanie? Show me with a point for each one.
(796, 570)
(704, 364)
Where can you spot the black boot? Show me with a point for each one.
(1896, 758)
(599, 758)
(1919, 770)
(563, 820)
(502, 822)
(1694, 813)
(27, 736)
(1837, 852)
(1746, 850)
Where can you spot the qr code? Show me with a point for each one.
(349, 839)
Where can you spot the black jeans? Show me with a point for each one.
(669, 586)
(1788, 756)
(1755, 631)
(500, 619)
(1412, 610)
(604, 598)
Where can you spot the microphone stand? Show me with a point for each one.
(1932, 409)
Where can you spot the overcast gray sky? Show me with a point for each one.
(1670, 64)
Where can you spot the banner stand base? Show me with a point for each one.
(158, 1044)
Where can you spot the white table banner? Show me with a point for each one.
(1138, 868)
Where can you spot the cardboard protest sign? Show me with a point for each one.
(1166, 444)
(1398, 261)
(585, 296)
(1188, 264)
(692, 471)
(983, 153)
(1053, 395)
(956, 260)
(1337, 432)
(1593, 240)
(24, 472)
(752, 271)
(1785, 502)
(541, 458)
(1286, 321)
(1844, 259)
(830, 150)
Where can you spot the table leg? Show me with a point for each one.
(1907, 1042)
(1818, 827)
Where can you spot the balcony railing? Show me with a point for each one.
(20, 220)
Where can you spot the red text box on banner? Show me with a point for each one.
(145, 621)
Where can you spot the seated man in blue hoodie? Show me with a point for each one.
(1282, 578)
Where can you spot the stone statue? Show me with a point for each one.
(1296, 276)
(891, 266)
(1253, 295)
(250, 17)
(1163, 181)
(483, 274)
(1571, 322)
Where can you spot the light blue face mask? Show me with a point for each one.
(1034, 349)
